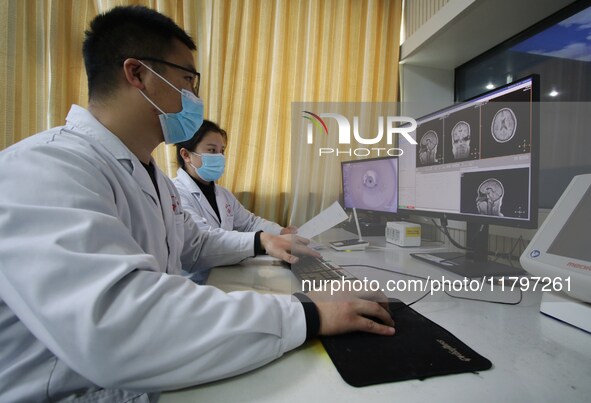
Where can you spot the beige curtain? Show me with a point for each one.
(256, 57)
(41, 66)
(259, 56)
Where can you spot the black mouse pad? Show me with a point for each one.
(419, 349)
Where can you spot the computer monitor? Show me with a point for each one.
(560, 252)
(371, 185)
(476, 162)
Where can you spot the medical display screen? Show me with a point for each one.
(572, 241)
(371, 184)
(475, 159)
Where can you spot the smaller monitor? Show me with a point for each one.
(371, 184)
(561, 247)
(560, 252)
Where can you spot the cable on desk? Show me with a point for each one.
(397, 272)
(489, 301)
(415, 301)
(382, 269)
(430, 289)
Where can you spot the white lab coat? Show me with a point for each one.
(233, 214)
(90, 299)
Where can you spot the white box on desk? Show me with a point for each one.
(403, 233)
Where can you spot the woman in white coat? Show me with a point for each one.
(201, 160)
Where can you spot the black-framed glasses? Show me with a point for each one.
(197, 77)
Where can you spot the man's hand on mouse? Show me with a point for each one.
(344, 312)
(339, 312)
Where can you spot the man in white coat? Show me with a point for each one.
(201, 162)
(93, 237)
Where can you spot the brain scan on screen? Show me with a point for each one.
(504, 125)
(490, 197)
(460, 136)
(428, 148)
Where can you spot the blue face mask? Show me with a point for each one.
(180, 126)
(212, 166)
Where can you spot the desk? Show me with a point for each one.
(535, 358)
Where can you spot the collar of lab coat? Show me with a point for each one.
(190, 184)
(84, 123)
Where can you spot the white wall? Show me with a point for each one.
(425, 89)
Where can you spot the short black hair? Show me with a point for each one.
(190, 145)
(123, 32)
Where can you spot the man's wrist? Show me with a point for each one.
(258, 246)
(312, 315)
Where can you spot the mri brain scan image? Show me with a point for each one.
(370, 179)
(490, 197)
(428, 148)
(460, 136)
(504, 125)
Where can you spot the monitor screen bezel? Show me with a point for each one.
(362, 160)
(534, 167)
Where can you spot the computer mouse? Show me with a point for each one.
(377, 320)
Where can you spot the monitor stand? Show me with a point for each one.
(369, 223)
(474, 263)
(351, 244)
(566, 309)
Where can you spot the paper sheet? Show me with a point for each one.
(327, 219)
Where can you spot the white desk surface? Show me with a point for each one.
(535, 358)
